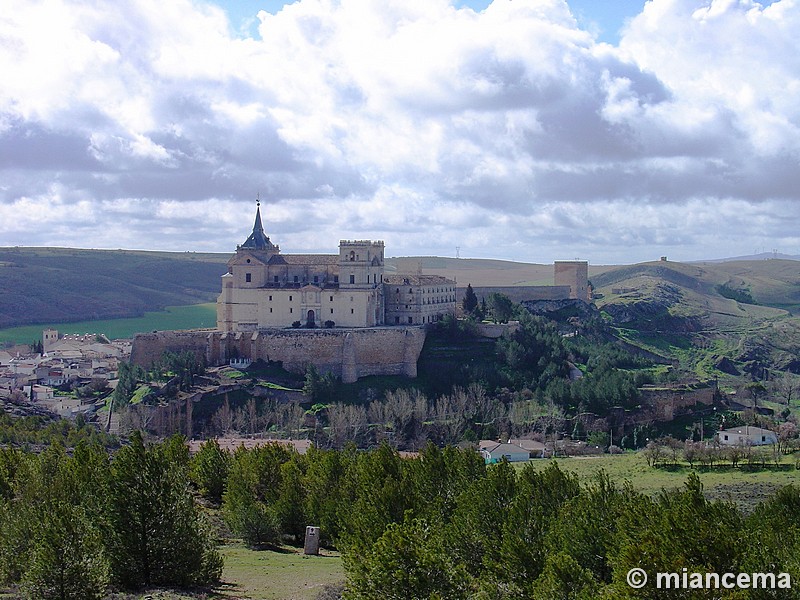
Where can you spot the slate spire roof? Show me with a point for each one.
(258, 238)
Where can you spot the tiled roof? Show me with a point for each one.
(304, 259)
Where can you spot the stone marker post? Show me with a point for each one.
(312, 540)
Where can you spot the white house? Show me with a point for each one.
(747, 436)
(494, 452)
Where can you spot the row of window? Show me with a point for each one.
(248, 277)
(291, 310)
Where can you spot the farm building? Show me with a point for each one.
(494, 452)
(747, 436)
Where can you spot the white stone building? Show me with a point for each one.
(266, 289)
(747, 436)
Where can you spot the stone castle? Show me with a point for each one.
(341, 312)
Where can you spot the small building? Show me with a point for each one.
(747, 436)
(534, 448)
(494, 452)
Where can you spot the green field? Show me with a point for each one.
(192, 316)
(284, 575)
(744, 487)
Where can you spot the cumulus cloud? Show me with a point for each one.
(509, 132)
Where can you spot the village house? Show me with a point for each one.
(493, 452)
(747, 436)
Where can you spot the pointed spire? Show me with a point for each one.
(258, 238)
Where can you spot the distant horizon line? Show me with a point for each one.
(746, 257)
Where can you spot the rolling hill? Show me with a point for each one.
(739, 314)
(40, 285)
(697, 313)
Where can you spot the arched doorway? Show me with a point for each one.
(310, 317)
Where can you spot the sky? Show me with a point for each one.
(528, 130)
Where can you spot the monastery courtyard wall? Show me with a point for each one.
(347, 353)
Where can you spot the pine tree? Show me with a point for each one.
(470, 301)
(67, 561)
(209, 470)
(158, 535)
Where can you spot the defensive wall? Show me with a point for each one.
(347, 353)
(519, 293)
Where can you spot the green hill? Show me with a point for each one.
(736, 314)
(41, 285)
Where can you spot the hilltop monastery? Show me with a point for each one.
(265, 289)
(340, 312)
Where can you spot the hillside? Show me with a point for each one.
(483, 272)
(717, 319)
(39, 285)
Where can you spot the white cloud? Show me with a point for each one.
(508, 132)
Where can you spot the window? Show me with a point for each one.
(726, 438)
(397, 320)
(352, 256)
(763, 438)
(275, 279)
(410, 319)
(331, 311)
(290, 298)
(331, 298)
(270, 309)
(352, 278)
(335, 279)
(316, 278)
(291, 310)
(248, 277)
(352, 311)
(295, 278)
(270, 298)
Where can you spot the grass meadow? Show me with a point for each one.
(192, 316)
(743, 486)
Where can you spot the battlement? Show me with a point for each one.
(364, 243)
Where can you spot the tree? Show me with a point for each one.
(254, 483)
(470, 301)
(410, 560)
(209, 470)
(290, 505)
(158, 536)
(501, 308)
(67, 559)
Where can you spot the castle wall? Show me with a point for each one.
(347, 353)
(520, 293)
(575, 274)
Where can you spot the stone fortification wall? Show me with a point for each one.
(347, 353)
(520, 293)
(147, 348)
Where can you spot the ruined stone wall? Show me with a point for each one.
(667, 404)
(347, 353)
